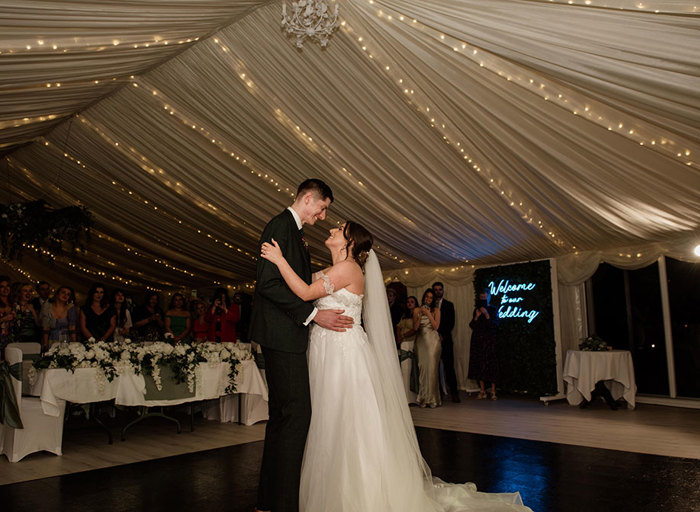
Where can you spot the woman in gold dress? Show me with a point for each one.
(426, 320)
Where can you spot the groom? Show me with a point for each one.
(280, 325)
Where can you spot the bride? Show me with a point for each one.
(361, 452)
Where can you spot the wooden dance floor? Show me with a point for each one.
(551, 476)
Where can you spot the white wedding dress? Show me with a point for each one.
(361, 452)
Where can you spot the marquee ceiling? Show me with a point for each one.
(459, 132)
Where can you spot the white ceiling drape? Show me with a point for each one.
(459, 132)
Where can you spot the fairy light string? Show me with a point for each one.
(625, 125)
(135, 196)
(130, 249)
(414, 97)
(311, 142)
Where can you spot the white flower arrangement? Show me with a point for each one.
(113, 359)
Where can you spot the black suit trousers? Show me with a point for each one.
(289, 406)
(448, 363)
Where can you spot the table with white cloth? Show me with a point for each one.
(246, 408)
(583, 369)
(56, 386)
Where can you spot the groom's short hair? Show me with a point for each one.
(316, 186)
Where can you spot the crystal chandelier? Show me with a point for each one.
(310, 18)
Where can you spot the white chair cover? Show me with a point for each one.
(27, 348)
(40, 432)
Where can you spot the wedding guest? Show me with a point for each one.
(26, 327)
(406, 338)
(148, 319)
(426, 320)
(7, 314)
(483, 364)
(242, 301)
(200, 326)
(394, 306)
(43, 290)
(222, 318)
(178, 321)
(447, 323)
(97, 318)
(123, 316)
(59, 318)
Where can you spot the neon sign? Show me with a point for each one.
(508, 309)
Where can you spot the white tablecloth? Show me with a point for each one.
(584, 368)
(253, 407)
(57, 385)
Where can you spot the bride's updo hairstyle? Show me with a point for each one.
(363, 240)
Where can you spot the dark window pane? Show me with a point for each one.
(627, 308)
(684, 295)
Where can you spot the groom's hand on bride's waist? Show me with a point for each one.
(333, 319)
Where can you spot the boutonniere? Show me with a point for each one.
(306, 245)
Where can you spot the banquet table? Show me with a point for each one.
(56, 386)
(583, 369)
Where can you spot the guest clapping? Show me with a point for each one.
(123, 315)
(222, 318)
(58, 318)
(97, 319)
(426, 320)
(178, 322)
(483, 364)
(148, 319)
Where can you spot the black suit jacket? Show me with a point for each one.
(278, 317)
(447, 319)
(244, 319)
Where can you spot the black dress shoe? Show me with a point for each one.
(455, 398)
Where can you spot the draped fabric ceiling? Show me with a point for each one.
(460, 132)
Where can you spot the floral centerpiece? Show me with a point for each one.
(113, 359)
(224, 353)
(593, 344)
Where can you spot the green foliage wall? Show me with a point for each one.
(526, 350)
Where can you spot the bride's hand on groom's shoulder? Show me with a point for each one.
(271, 252)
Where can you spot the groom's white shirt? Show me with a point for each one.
(297, 219)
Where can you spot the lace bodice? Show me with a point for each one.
(343, 299)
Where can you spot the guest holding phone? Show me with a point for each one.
(222, 318)
(483, 364)
(426, 320)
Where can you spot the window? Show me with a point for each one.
(627, 314)
(684, 298)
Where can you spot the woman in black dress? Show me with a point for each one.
(483, 364)
(97, 319)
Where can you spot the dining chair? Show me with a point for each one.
(41, 431)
